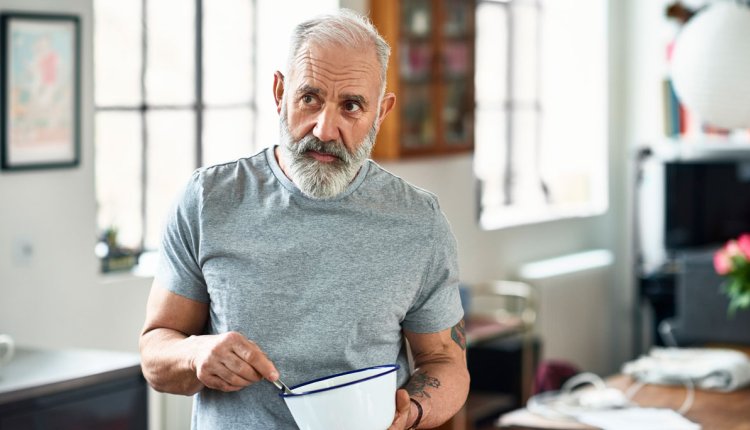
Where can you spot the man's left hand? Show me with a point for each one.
(403, 409)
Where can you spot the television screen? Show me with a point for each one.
(707, 203)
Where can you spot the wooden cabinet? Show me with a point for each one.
(431, 71)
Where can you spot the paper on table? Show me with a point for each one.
(527, 419)
(638, 418)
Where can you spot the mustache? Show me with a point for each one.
(311, 143)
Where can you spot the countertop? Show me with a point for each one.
(33, 373)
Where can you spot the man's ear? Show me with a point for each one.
(278, 89)
(389, 100)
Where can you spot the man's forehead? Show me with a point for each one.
(321, 51)
(317, 64)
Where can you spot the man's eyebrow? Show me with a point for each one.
(354, 97)
(308, 89)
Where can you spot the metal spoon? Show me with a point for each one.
(281, 386)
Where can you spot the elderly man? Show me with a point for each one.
(307, 259)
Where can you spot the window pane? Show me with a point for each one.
(491, 55)
(558, 167)
(118, 175)
(490, 154)
(171, 159)
(171, 52)
(227, 135)
(575, 78)
(526, 179)
(526, 52)
(227, 36)
(491, 139)
(118, 54)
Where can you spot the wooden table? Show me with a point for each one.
(713, 410)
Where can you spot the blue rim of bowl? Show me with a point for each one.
(389, 368)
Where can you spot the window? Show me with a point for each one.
(176, 88)
(541, 119)
(173, 92)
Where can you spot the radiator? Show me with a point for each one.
(575, 308)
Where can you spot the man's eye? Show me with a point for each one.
(307, 99)
(352, 107)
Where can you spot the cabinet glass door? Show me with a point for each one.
(417, 72)
(457, 104)
(432, 75)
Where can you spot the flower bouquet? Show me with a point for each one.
(733, 262)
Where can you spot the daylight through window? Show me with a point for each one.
(174, 91)
(541, 119)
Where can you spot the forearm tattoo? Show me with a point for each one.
(458, 334)
(419, 382)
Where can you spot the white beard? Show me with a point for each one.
(317, 179)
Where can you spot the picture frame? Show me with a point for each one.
(40, 92)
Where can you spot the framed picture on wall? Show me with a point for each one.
(40, 94)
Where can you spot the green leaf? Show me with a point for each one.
(734, 287)
(743, 300)
(732, 308)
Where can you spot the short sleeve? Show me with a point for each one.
(438, 304)
(179, 268)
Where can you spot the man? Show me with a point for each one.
(308, 259)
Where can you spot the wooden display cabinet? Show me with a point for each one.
(431, 71)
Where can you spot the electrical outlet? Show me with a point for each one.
(23, 251)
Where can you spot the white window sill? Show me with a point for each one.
(502, 218)
(566, 264)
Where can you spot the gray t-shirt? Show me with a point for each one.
(322, 286)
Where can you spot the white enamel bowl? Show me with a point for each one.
(363, 399)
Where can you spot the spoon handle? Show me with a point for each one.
(281, 386)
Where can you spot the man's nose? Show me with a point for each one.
(327, 125)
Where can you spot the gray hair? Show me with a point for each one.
(343, 27)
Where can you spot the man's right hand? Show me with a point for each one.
(229, 361)
(177, 358)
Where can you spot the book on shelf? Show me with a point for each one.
(680, 122)
(674, 112)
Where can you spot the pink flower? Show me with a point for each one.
(722, 261)
(743, 242)
(732, 249)
(733, 261)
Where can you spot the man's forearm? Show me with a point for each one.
(166, 361)
(440, 388)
